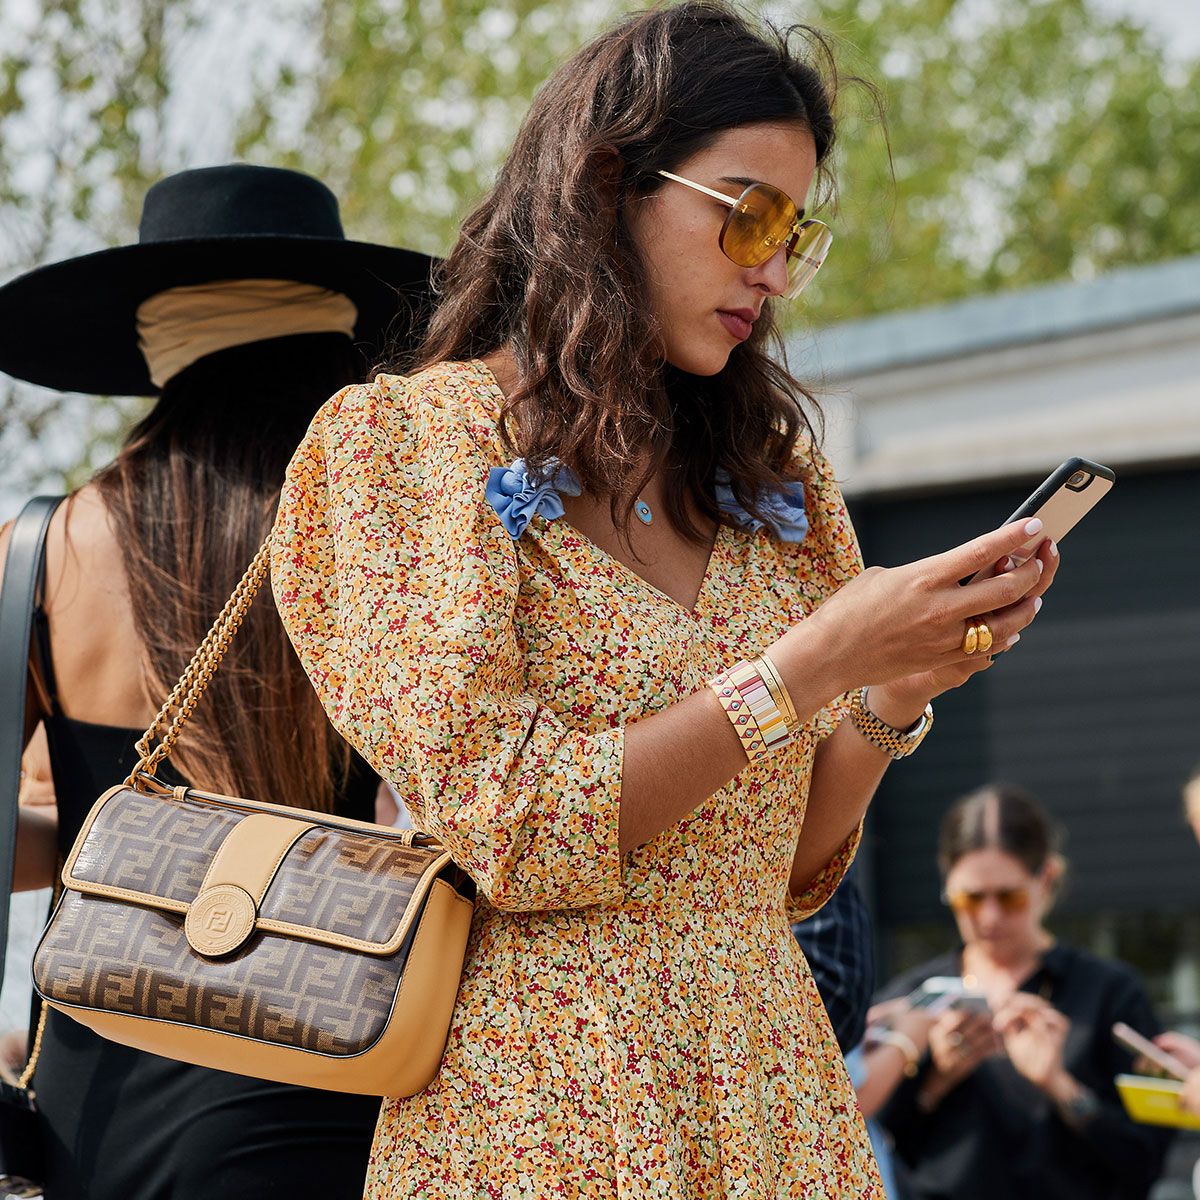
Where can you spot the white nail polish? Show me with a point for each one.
(1053, 549)
(1034, 527)
(1041, 565)
(1012, 641)
(1037, 604)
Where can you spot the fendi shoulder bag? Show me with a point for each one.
(256, 938)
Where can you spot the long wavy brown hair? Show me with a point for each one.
(192, 496)
(545, 264)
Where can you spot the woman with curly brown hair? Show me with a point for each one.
(583, 588)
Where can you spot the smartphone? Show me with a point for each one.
(972, 1002)
(941, 992)
(1133, 1041)
(1061, 501)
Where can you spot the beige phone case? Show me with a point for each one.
(1059, 506)
(1063, 511)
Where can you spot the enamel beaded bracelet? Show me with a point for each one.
(757, 705)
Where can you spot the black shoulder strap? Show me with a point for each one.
(22, 573)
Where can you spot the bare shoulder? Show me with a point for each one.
(82, 546)
(94, 640)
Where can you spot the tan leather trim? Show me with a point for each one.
(87, 888)
(251, 853)
(404, 1060)
(406, 836)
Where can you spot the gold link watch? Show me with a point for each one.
(899, 743)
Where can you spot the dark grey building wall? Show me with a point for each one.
(1097, 711)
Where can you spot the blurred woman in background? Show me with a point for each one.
(1019, 1100)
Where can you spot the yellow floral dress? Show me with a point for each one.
(639, 1025)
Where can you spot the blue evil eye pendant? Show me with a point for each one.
(644, 512)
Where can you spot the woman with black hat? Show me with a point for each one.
(242, 307)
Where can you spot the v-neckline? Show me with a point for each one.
(561, 528)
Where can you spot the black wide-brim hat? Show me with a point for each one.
(72, 325)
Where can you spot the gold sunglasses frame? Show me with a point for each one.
(800, 224)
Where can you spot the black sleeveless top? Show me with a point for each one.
(119, 1124)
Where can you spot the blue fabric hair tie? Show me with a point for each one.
(783, 509)
(518, 496)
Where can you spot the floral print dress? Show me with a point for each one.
(639, 1025)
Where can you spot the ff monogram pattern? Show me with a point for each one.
(133, 958)
(344, 884)
(275, 989)
(637, 1024)
(155, 846)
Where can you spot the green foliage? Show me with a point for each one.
(84, 89)
(1030, 140)
(414, 102)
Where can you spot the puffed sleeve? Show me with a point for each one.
(398, 585)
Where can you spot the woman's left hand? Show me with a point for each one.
(902, 696)
(1180, 1046)
(1034, 1033)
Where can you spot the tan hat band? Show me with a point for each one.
(182, 325)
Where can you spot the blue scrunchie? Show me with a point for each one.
(783, 510)
(518, 496)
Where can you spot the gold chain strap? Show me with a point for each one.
(192, 684)
(35, 1053)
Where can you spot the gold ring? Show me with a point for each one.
(970, 642)
(985, 638)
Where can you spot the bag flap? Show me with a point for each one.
(308, 875)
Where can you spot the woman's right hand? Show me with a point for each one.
(893, 622)
(958, 1043)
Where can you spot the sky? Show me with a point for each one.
(1179, 19)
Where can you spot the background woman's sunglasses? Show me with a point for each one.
(1010, 900)
(763, 220)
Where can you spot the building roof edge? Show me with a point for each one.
(980, 324)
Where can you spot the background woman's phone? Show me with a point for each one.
(1137, 1045)
(941, 992)
(1061, 501)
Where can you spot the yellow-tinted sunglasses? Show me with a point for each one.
(1011, 900)
(762, 221)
